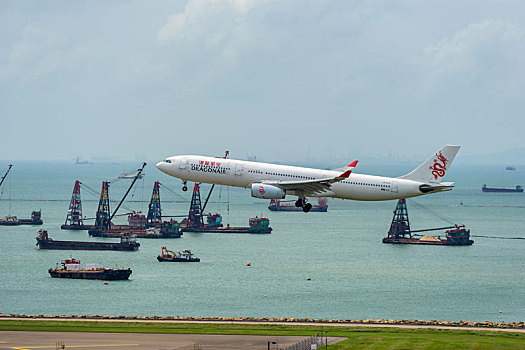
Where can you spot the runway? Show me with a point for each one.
(22, 340)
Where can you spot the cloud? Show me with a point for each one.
(208, 21)
(486, 52)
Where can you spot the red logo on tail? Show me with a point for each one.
(440, 166)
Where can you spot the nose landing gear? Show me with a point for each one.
(184, 187)
(303, 202)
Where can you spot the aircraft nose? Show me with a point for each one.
(161, 166)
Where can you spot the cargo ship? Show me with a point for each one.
(278, 205)
(518, 189)
(44, 242)
(72, 268)
(11, 220)
(171, 256)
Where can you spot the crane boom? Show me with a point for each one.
(129, 189)
(7, 172)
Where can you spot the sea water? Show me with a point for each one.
(353, 275)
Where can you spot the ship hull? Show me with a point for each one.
(164, 259)
(76, 227)
(501, 190)
(106, 274)
(73, 245)
(418, 241)
(134, 233)
(294, 208)
(228, 230)
(21, 222)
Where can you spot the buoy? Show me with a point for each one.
(308, 279)
(500, 311)
(248, 264)
(265, 295)
(106, 283)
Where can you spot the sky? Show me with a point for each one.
(280, 80)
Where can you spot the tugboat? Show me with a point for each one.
(169, 255)
(72, 268)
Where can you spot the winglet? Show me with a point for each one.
(350, 167)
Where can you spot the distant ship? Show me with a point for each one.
(510, 168)
(78, 161)
(130, 176)
(518, 188)
(277, 205)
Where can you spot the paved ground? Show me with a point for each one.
(136, 341)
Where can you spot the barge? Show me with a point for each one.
(72, 268)
(126, 243)
(171, 256)
(11, 220)
(168, 229)
(278, 205)
(518, 189)
(255, 225)
(400, 232)
(458, 235)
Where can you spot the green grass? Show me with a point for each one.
(358, 337)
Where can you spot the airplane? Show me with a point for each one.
(273, 181)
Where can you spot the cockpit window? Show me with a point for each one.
(168, 160)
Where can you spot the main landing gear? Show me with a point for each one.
(184, 187)
(303, 202)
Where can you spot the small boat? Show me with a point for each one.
(169, 255)
(72, 268)
(510, 168)
(518, 189)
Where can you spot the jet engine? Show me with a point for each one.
(267, 191)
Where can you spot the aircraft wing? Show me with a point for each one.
(316, 186)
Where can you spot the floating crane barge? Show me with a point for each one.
(152, 227)
(400, 232)
(195, 222)
(11, 220)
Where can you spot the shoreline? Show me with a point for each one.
(405, 323)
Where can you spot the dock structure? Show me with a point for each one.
(74, 219)
(103, 216)
(195, 217)
(154, 217)
(400, 232)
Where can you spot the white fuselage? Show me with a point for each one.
(239, 173)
